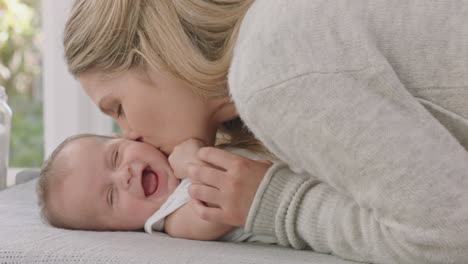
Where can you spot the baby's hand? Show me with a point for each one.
(183, 154)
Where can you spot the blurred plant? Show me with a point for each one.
(20, 73)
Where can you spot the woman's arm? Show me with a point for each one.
(402, 175)
(185, 223)
(388, 182)
(378, 179)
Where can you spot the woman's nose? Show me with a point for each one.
(129, 133)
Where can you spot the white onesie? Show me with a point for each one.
(181, 196)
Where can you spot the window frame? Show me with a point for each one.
(66, 108)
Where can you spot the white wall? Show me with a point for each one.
(67, 109)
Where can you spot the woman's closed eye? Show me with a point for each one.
(119, 111)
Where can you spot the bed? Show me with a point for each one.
(25, 239)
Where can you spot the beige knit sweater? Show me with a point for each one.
(367, 101)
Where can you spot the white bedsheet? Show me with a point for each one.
(25, 239)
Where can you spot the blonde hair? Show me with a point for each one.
(192, 40)
(50, 179)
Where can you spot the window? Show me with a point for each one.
(20, 74)
(48, 104)
(67, 110)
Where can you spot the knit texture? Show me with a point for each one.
(25, 239)
(368, 101)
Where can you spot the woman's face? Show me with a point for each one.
(157, 109)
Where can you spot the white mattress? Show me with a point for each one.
(25, 239)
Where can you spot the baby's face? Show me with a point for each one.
(113, 184)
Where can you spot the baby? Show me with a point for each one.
(93, 182)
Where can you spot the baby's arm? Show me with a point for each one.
(185, 223)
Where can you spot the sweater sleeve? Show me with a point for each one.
(382, 180)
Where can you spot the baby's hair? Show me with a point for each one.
(51, 177)
(192, 40)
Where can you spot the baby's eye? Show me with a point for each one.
(115, 158)
(111, 196)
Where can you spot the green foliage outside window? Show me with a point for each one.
(20, 74)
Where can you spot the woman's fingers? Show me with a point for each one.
(212, 214)
(206, 175)
(218, 157)
(205, 193)
(231, 191)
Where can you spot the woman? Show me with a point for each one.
(364, 100)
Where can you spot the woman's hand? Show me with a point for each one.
(230, 185)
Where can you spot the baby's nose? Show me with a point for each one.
(126, 177)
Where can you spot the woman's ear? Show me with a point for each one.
(228, 109)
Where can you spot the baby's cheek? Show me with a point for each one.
(136, 211)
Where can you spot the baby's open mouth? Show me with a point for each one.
(149, 181)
